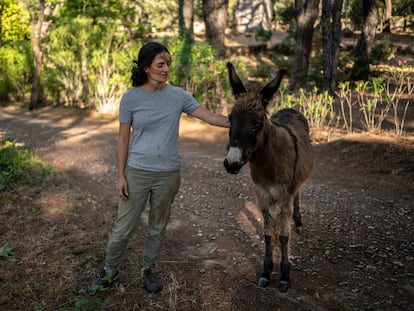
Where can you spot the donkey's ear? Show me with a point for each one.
(270, 89)
(235, 82)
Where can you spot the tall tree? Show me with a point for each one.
(1, 22)
(331, 38)
(185, 31)
(185, 17)
(366, 39)
(37, 35)
(215, 18)
(387, 16)
(307, 12)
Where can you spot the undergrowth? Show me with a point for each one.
(18, 165)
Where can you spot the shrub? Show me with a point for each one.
(196, 68)
(18, 165)
(16, 69)
(263, 34)
(383, 52)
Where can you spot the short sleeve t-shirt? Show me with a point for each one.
(155, 118)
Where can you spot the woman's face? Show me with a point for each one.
(160, 68)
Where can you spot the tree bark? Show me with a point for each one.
(185, 18)
(35, 95)
(1, 28)
(366, 39)
(331, 38)
(215, 18)
(268, 14)
(307, 12)
(387, 16)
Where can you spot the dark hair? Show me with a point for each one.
(146, 55)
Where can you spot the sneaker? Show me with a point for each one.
(104, 282)
(151, 282)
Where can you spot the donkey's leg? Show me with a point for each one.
(284, 264)
(263, 203)
(297, 217)
(267, 262)
(285, 223)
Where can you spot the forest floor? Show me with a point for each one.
(356, 251)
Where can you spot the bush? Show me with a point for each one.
(18, 165)
(16, 70)
(263, 34)
(383, 52)
(196, 68)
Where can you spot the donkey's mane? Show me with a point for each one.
(249, 102)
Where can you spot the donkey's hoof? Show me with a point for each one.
(263, 282)
(299, 229)
(283, 286)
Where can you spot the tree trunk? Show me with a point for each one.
(267, 15)
(366, 39)
(307, 12)
(1, 31)
(387, 16)
(185, 24)
(331, 38)
(35, 96)
(185, 18)
(215, 17)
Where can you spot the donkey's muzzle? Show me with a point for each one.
(233, 162)
(233, 167)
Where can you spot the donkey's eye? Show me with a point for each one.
(255, 127)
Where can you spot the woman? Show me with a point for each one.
(149, 167)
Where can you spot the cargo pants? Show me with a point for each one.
(156, 188)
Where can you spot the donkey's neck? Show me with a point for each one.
(268, 162)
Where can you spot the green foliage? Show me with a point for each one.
(355, 13)
(399, 87)
(286, 12)
(89, 61)
(382, 52)
(6, 252)
(317, 108)
(376, 97)
(262, 71)
(14, 21)
(86, 304)
(345, 99)
(18, 165)
(16, 69)
(109, 71)
(315, 105)
(199, 71)
(369, 94)
(263, 34)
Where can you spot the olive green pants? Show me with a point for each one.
(156, 188)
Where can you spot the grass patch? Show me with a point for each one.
(18, 166)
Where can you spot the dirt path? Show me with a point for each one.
(356, 253)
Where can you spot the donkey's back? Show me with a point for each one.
(292, 119)
(297, 127)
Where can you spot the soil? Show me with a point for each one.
(356, 251)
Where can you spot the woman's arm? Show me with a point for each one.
(211, 118)
(122, 156)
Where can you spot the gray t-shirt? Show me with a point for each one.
(155, 118)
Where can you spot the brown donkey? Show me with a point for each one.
(280, 155)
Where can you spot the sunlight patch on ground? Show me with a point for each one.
(53, 205)
(246, 223)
